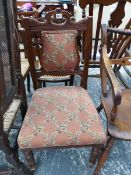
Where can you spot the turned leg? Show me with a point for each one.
(30, 159)
(104, 155)
(94, 155)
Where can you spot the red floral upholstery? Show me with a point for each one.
(61, 116)
(59, 50)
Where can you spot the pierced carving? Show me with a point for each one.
(57, 17)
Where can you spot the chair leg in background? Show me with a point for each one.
(104, 155)
(30, 159)
(44, 84)
(40, 84)
(66, 83)
(13, 158)
(24, 105)
(94, 155)
(28, 82)
(71, 80)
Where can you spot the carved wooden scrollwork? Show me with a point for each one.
(55, 18)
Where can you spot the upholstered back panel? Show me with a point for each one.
(59, 50)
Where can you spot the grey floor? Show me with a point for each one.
(74, 161)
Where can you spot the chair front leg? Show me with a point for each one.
(94, 155)
(30, 159)
(104, 155)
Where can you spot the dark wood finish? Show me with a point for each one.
(32, 29)
(94, 155)
(115, 20)
(114, 99)
(104, 154)
(30, 159)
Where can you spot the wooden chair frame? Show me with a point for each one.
(33, 27)
(12, 90)
(114, 100)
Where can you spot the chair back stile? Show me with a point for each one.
(56, 20)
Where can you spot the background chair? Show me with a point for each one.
(115, 19)
(114, 100)
(61, 116)
(11, 90)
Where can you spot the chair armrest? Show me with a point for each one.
(116, 89)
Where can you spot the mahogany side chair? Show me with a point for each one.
(61, 116)
(114, 100)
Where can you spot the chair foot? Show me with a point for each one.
(30, 159)
(104, 155)
(94, 155)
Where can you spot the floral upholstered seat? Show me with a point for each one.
(61, 116)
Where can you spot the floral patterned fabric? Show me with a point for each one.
(61, 116)
(59, 52)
